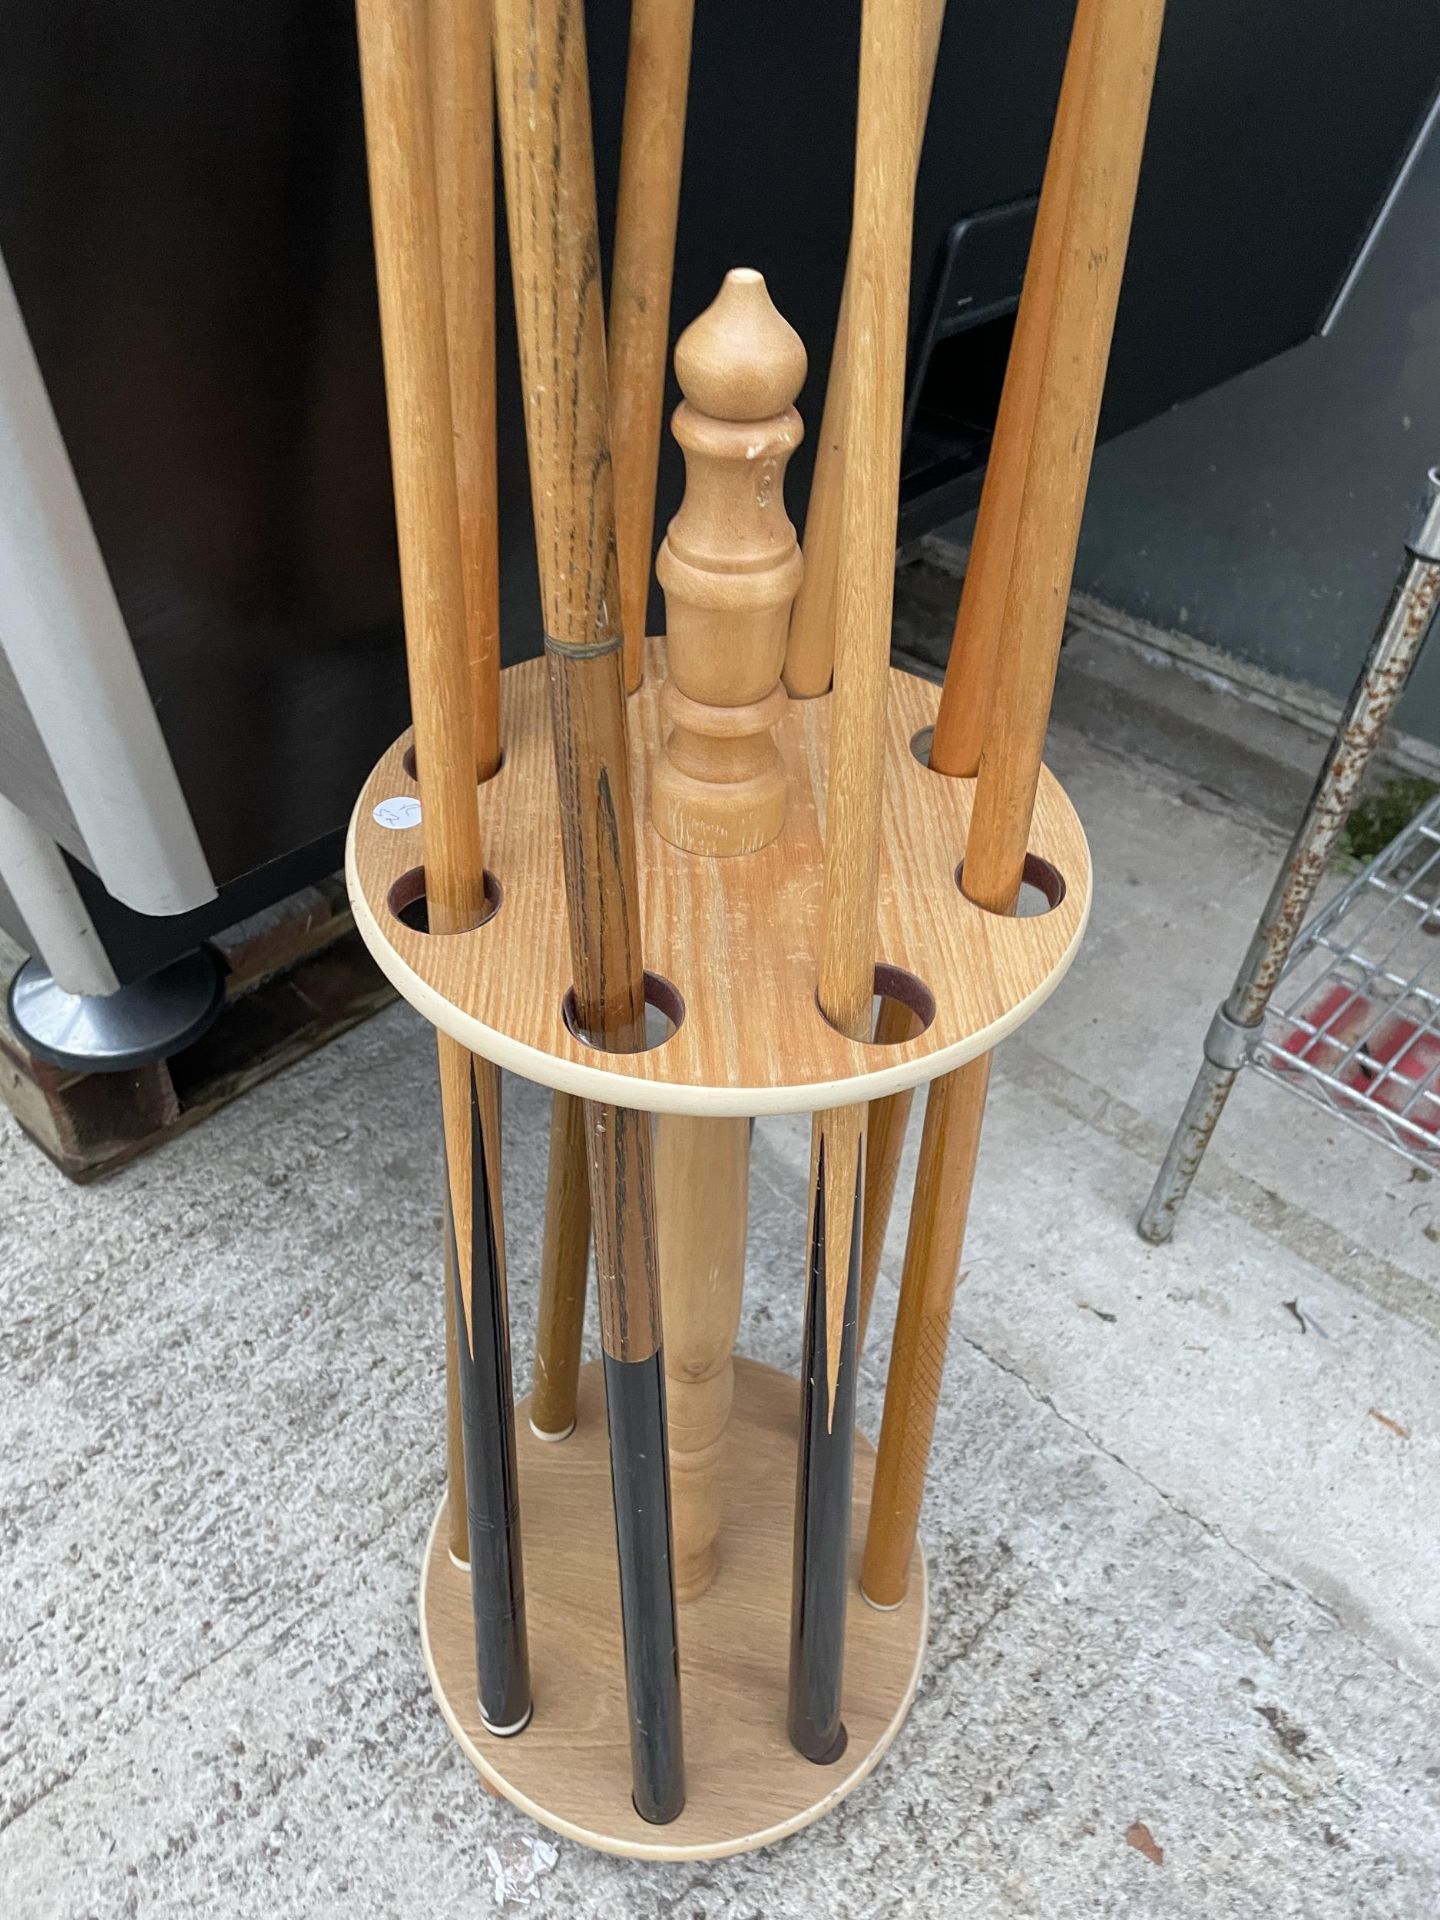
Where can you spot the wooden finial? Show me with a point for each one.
(729, 566)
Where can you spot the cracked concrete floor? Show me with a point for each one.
(1182, 1518)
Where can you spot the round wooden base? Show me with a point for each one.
(570, 1768)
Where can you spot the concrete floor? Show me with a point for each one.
(1182, 1522)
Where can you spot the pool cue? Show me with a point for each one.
(1111, 133)
(651, 145)
(879, 281)
(560, 1323)
(464, 133)
(809, 661)
(543, 92)
(652, 142)
(970, 670)
(462, 104)
(457, 1521)
(810, 649)
(405, 218)
(955, 747)
(884, 1144)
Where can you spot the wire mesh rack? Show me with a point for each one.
(1354, 1023)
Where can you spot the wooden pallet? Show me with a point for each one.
(297, 975)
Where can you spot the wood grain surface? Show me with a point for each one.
(463, 98)
(400, 152)
(702, 1179)
(810, 651)
(944, 1177)
(729, 565)
(1112, 115)
(565, 1253)
(652, 144)
(884, 1143)
(970, 669)
(1119, 75)
(570, 1768)
(737, 938)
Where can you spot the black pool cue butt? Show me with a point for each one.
(820, 1583)
(492, 1488)
(635, 1408)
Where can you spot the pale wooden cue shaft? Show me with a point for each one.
(1087, 284)
(959, 727)
(408, 260)
(464, 132)
(969, 672)
(884, 1144)
(810, 654)
(462, 98)
(652, 144)
(542, 86)
(565, 1247)
(560, 1323)
(457, 1522)
(878, 279)
(1092, 263)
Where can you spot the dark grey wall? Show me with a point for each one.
(1266, 517)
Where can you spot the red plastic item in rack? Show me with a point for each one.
(1396, 1059)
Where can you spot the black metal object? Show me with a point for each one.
(492, 1486)
(820, 1581)
(957, 359)
(635, 1410)
(147, 1020)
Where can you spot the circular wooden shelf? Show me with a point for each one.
(737, 938)
(746, 1785)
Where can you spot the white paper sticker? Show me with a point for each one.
(402, 811)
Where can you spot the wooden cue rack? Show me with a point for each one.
(730, 945)
(731, 940)
(734, 911)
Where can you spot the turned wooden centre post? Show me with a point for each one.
(729, 566)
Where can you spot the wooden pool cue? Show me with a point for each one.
(405, 218)
(810, 653)
(464, 133)
(959, 728)
(970, 670)
(543, 91)
(652, 143)
(462, 100)
(879, 282)
(884, 1143)
(565, 1255)
(809, 664)
(729, 565)
(457, 1520)
(1096, 226)
(651, 146)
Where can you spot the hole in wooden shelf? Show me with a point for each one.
(406, 900)
(901, 1008)
(664, 1014)
(920, 745)
(1041, 890)
(409, 763)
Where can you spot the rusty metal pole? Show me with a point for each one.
(1393, 652)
